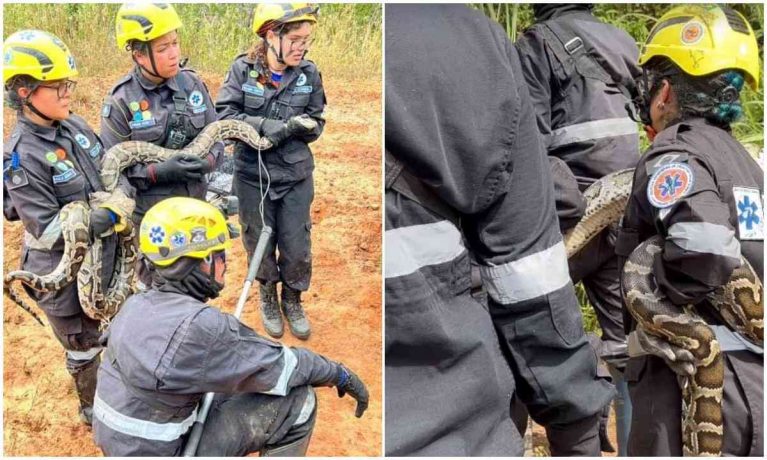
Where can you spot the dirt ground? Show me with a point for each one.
(343, 304)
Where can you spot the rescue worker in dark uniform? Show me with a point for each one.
(580, 73)
(159, 102)
(279, 93)
(51, 159)
(466, 174)
(166, 348)
(702, 192)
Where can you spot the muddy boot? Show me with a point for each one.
(84, 375)
(270, 310)
(291, 306)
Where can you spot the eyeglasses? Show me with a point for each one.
(301, 44)
(63, 88)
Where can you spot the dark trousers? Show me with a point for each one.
(656, 421)
(597, 266)
(289, 218)
(241, 424)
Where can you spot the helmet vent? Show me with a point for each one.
(735, 20)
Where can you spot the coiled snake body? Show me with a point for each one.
(740, 303)
(81, 259)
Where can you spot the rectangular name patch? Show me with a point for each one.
(64, 177)
(143, 124)
(302, 89)
(255, 90)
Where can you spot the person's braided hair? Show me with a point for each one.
(715, 97)
(12, 98)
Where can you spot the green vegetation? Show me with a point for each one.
(347, 41)
(637, 20)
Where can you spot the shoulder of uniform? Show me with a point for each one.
(10, 144)
(309, 65)
(75, 121)
(243, 57)
(121, 82)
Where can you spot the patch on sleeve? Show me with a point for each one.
(669, 184)
(13, 176)
(750, 206)
(106, 109)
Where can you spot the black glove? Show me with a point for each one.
(274, 130)
(302, 124)
(348, 382)
(101, 221)
(179, 168)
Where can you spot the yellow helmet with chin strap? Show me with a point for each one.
(270, 15)
(38, 54)
(182, 227)
(703, 39)
(144, 22)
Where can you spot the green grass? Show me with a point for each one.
(347, 40)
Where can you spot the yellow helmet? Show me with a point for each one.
(144, 22)
(703, 39)
(38, 54)
(182, 227)
(270, 15)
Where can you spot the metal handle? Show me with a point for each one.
(190, 449)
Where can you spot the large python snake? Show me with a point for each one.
(81, 259)
(740, 303)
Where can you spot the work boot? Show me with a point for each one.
(84, 376)
(270, 310)
(291, 306)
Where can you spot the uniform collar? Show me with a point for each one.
(48, 133)
(150, 85)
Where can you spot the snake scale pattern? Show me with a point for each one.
(740, 302)
(82, 260)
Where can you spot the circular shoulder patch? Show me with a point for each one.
(82, 140)
(669, 184)
(195, 99)
(692, 32)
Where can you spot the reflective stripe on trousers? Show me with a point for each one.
(140, 428)
(592, 130)
(528, 277)
(728, 341)
(411, 248)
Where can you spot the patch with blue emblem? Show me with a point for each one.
(82, 140)
(66, 176)
(196, 99)
(95, 151)
(669, 184)
(157, 234)
(302, 89)
(250, 89)
(749, 205)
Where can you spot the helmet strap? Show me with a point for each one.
(34, 110)
(152, 72)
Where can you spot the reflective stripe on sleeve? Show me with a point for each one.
(591, 130)
(49, 237)
(289, 364)
(529, 277)
(706, 238)
(410, 248)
